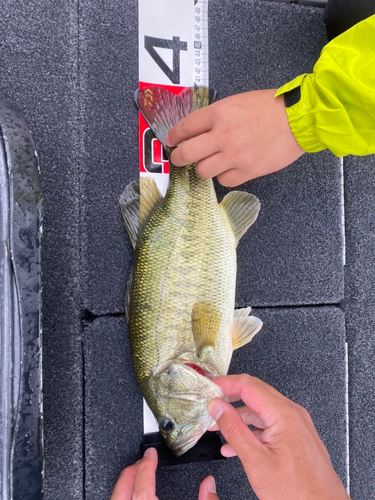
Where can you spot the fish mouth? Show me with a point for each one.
(198, 369)
(181, 446)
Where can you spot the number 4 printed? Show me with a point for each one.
(175, 45)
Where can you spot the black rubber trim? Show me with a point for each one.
(21, 436)
(206, 450)
(291, 97)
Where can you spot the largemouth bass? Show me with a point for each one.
(181, 292)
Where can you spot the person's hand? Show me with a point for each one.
(207, 490)
(284, 458)
(236, 139)
(137, 482)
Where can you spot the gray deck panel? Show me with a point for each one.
(360, 319)
(293, 253)
(113, 405)
(39, 75)
(109, 68)
(301, 352)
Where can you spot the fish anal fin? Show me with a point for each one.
(206, 319)
(242, 211)
(150, 198)
(129, 204)
(245, 312)
(244, 328)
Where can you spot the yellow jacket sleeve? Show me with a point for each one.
(336, 110)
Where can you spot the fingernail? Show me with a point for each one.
(149, 452)
(210, 485)
(215, 409)
(167, 139)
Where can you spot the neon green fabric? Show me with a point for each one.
(337, 106)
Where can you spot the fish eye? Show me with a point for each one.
(167, 425)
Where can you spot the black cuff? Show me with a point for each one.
(291, 97)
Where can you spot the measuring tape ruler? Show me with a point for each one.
(173, 53)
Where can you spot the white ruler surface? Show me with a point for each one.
(173, 53)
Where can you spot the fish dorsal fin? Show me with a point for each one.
(242, 211)
(150, 198)
(206, 320)
(245, 327)
(129, 204)
(162, 109)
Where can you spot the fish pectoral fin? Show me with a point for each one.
(242, 211)
(206, 319)
(129, 204)
(244, 327)
(150, 198)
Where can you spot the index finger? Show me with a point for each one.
(198, 122)
(248, 416)
(263, 399)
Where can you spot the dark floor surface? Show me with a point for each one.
(72, 67)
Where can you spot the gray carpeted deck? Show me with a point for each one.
(359, 306)
(72, 68)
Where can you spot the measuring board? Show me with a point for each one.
(173, 54)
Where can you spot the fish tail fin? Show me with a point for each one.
(162, 109)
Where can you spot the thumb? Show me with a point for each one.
(233, 428)
(207, 490)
